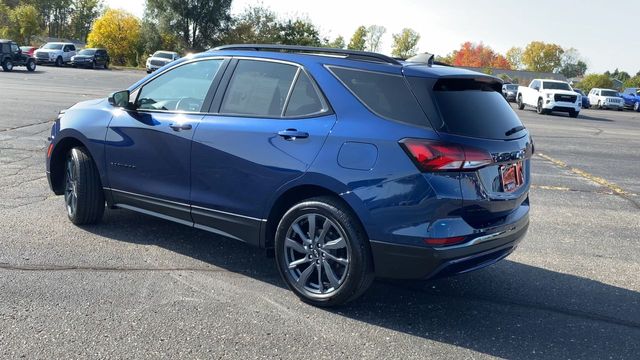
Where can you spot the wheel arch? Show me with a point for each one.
(57, 160)
(295, 193)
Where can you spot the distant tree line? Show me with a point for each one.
(196, 25)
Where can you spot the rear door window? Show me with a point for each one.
(258, 88)
(469, 107)
(386, 95)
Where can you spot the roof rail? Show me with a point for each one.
(350, 54)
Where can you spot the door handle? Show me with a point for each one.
(293, 134)
(179, 127)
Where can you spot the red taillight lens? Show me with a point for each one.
(432, 156)
(444, 241)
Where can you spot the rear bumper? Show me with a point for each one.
(484, 248)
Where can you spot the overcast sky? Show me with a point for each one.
(605, 33)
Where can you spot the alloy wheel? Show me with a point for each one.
(316, 254)
(71, 186)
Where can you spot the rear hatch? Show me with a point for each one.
(470, 113)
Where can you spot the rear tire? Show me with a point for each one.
(322, 252)
(520, 103)
(83, 194)
(106, 65)
(31, 65)
(7, 65)
(599, 105)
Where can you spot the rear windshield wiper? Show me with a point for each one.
(515, 130)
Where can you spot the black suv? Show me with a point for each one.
(91, 58)
(11, 55)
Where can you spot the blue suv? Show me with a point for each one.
(347, 165)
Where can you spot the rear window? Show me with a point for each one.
(468, 107)
(552, 85)
(386, 95)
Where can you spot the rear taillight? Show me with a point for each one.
(432, 156)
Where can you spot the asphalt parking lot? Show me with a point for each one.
(138, 287)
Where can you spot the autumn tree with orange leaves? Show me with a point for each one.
(478, 55)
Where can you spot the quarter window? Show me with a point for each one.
(258, 88)
(181, 89)
(386, 95)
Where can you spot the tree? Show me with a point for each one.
(298, 32)
(633, 82)
(572, 64)
(150, 39)
(479, 55)
(595, 81)
(514, 57)
(542, 57)
(374, 36)
(405, 44)
(256, 25)
(359, 39)
(119, 32)
(84, 14)
(338, 43)
(23, 23)
(620, 75)
(198, 23)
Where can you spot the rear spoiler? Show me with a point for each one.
(425, 59)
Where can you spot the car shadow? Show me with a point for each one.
(510, 310)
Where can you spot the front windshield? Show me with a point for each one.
(53, 46)
(87, 52)
(163, 55)
(578, 91)
(25, 48)
(609, 93)
(552, 85)
(512, 87)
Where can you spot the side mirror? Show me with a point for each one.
(120, 99)
(536, 88)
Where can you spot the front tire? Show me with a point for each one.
(520, 103)
(539, 109)
(106, 65)
(574, 114)
(636, 107)
(59, 61)
(83, 194)
(31, 65)
(322, 252)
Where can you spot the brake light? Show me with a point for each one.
(431, 156)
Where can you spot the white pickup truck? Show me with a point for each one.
(547, 96)
(58, 53)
